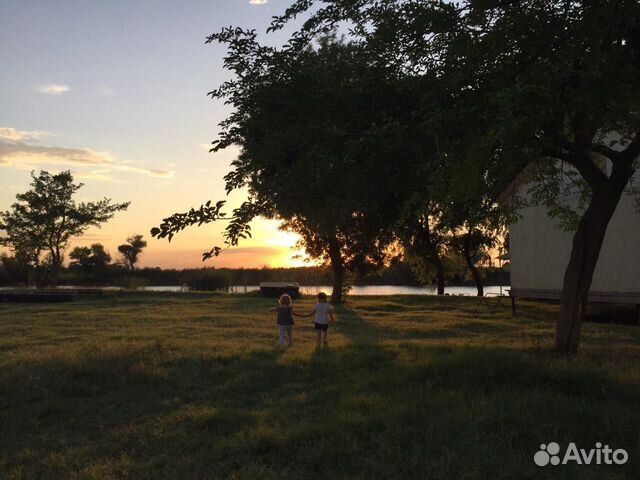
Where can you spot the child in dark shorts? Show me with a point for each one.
(323, 312)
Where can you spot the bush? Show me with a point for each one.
(131, 282)
(208, 279)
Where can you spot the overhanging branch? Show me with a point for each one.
(610, 153)
(631, 153)
(582, 162)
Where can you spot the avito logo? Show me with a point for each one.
(550, 454)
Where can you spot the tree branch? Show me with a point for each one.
(582, 162)
(595, 177)
(629, 154)
(605, 151)
(177, 222)
(554, 153)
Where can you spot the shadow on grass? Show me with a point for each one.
(355, 328)
(366, 411)
(413, 318)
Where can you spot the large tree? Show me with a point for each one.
(131, 251)
(45, 218)
(92, 261)
(472, 243)
(525, 81)
(424, 234)
(323, 150)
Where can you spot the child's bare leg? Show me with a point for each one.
(289, 338)
(324, 337)
(318, 332)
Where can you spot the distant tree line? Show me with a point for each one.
(87, 265)
(96, 269)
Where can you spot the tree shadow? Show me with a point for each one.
(361, 411)
(355, 328)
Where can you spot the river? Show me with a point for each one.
(360, 290)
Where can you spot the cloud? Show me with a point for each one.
(14, 135)
(105, 91)
(258, 2)
(18, 153)
(152, 172)
(102, 175)
(100, 164)
(54, 89)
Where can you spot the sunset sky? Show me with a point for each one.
(115, 91)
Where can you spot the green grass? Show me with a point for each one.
(191, 386)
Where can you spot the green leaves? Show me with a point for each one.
(179, 221)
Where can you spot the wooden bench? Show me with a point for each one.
(35, 296)
(275, 289)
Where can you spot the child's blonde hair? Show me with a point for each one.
(285, 300)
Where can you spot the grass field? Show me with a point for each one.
(192, 386)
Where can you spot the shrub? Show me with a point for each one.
(208, 279)
(131, 282)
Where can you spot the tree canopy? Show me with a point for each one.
(92, 261)
(325, 148)
(132, 250)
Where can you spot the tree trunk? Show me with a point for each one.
(439, 275)
(54, 267)
(474, 273)
(464, 246)
(587, 243)
(427, 246)
(338, 282)
(338, 272)
(434, 258)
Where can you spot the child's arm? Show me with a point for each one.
(304, 314)
(331, 314)
(274, 309)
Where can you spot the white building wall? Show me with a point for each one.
(540, 251)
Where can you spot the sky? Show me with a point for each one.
(115, 91)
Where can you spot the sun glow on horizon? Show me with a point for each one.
(268, 234)
(269, 246)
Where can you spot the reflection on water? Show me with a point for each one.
(312, 290)
(172, 288)
(384, 290)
